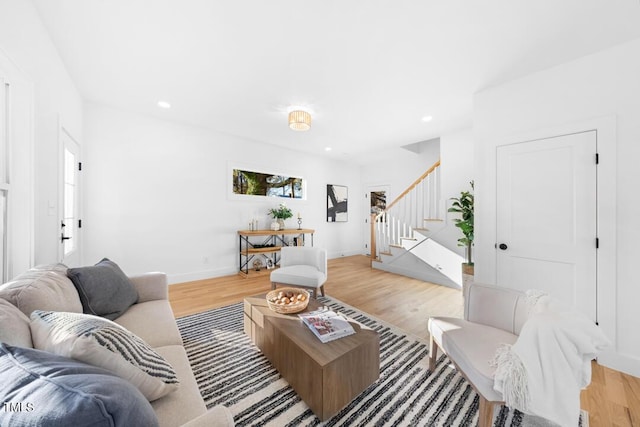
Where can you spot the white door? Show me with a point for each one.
(70, 201)
(546, 218)
(375, 202)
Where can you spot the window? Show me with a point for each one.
(69, 204)
(4, 176)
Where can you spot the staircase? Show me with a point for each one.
(404, 237)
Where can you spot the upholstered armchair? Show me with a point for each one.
(519, 349)
(301, 266)
(492, 316)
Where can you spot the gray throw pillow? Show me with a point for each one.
(104, 289)
(43, 389)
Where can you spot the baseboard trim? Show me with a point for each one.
(333, 255)
(620, 362)
(200, 275)
(227, 271)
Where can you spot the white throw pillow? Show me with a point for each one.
(101, 342)
(14, 326)
(42, 288)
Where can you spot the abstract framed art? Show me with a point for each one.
(337, 207)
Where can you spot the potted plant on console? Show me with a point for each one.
(279, 214)
(464, 206)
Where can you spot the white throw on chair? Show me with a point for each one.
(541, 352)
(301, 266)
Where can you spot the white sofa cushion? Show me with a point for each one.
(153, 322)
(185, 403)
(471, 346)
(301, 275)
(218, 416)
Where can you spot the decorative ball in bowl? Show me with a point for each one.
(288, 300)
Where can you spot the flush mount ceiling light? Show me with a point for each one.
(164, 104)
(427, 119)
(299, 120)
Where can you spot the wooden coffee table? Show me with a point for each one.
(326, 376)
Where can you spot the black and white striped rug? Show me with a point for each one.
(232, 372)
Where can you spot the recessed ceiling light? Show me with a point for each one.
(427, 119)
(327, 148)
(164, 104)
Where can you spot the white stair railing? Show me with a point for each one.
(419, 203)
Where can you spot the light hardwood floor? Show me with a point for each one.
(612, 399)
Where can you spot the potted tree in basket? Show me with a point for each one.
(464, 206)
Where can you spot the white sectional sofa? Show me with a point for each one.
(150, 318)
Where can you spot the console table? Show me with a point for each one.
(269, 245)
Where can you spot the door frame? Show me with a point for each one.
(367, 210)
(63, 132)
(606, 143)
(586, 143)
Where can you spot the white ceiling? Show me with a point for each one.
(368, 70)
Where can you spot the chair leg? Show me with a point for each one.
(485, 412)
(321, 290)
(433, 354)
(273, 285)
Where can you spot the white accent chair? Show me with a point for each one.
(301, 266)
(492, 316)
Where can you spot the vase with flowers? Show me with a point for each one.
(281, 213)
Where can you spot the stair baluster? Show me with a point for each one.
(420, 201)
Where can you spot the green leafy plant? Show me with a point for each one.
(281, 212)
(464, 206)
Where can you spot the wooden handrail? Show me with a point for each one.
(374, 217)
(415, 183)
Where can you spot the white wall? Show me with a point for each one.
(24, 39)
(457, 156)
(605, 84)
(400, 168)
(156, 195)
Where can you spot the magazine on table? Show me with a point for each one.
(327, 325)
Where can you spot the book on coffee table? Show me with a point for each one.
(327, 325)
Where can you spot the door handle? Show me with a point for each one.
(503, 246)
(63, 238)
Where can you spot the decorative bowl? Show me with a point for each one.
(279, 300)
